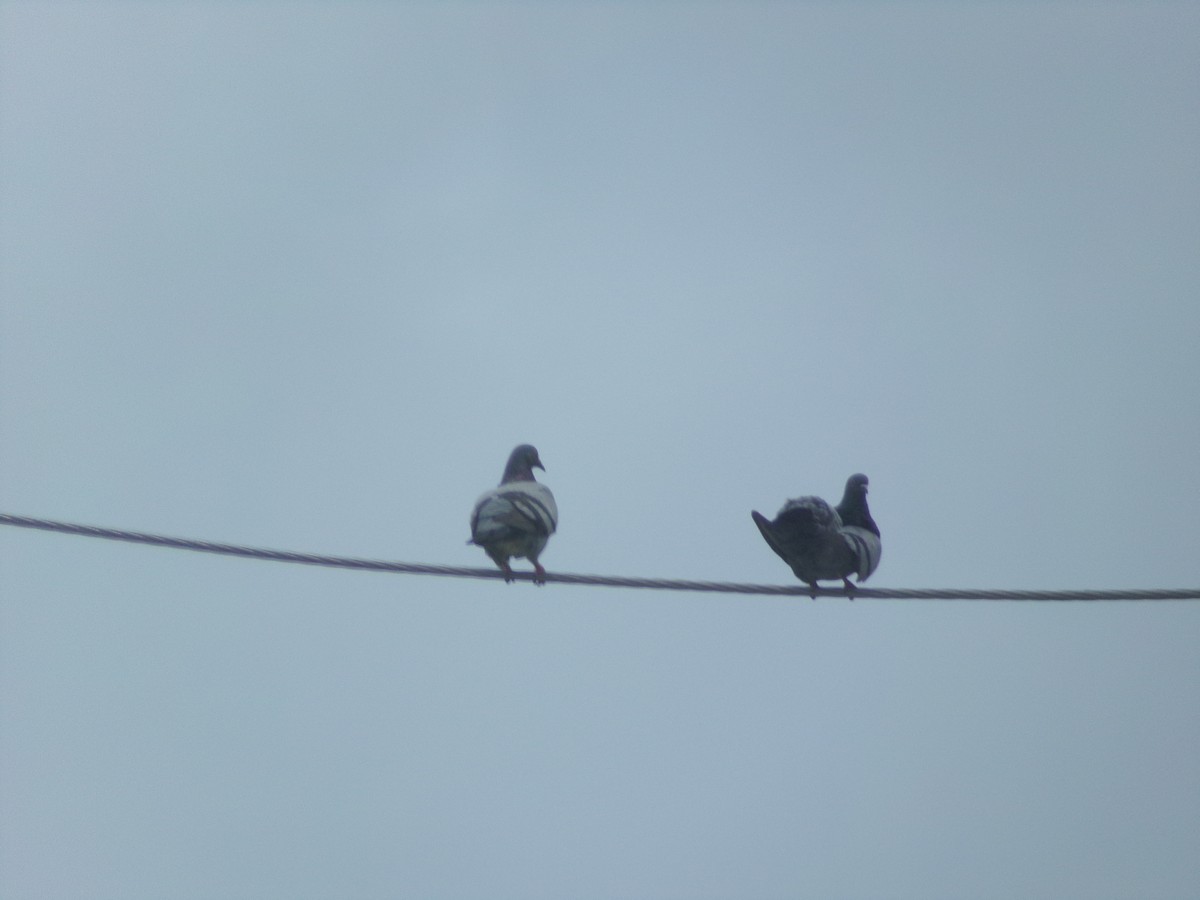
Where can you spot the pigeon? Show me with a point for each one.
(820, 541)
(518, 517)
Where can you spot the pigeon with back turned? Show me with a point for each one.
(822, 542)
(518, 517)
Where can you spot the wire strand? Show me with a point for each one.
(661, 584)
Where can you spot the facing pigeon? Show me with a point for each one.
(518, 517)
(821, 542)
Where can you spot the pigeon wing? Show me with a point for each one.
(517, 512)
(866, 550)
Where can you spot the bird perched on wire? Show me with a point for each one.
(518, 517)
(822, 542)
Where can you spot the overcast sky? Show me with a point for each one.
(300, 275)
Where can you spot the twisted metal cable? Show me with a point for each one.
(661, 584)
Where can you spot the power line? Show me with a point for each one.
(661, 584)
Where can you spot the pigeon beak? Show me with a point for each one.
(537, 464)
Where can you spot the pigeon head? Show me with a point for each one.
(853, 509)
(521, 463)
(856, 486)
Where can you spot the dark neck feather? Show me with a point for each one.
(853, 510)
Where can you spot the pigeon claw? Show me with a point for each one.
(849, 587)
(539, 574)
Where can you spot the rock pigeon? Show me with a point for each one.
(518, 517)
(823, 542)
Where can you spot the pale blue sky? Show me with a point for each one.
(301, 275)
